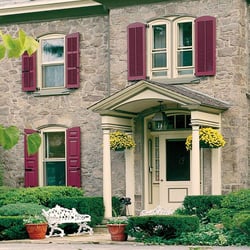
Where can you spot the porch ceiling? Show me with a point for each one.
(145, 95)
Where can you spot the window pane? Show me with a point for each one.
(159, 60)
(55, 145)
(52, 50)
(159, 39)
(160, 73)
(53, 76)
(55, 174)
(178, 161)
(185, 34)
(185, 58)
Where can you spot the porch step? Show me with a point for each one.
(101, 229)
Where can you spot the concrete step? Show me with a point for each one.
(100, 229)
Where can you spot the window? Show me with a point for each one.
(56, 64)
(51, 62)
(54, 159)
(58, 161)
(172, 47)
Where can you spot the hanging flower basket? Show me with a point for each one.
(120, 141)
(209, 138)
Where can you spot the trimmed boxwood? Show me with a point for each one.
(39, 195)
(163, 226)
(199, 205)
(12, 227)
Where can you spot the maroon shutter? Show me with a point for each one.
(205, 46)
(30, 164)
(73, 61)
(136, 51)
(73, 157)
(28, 72)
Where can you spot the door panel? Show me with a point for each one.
(174, 172)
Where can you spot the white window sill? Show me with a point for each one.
(52, 92)
(176, 81)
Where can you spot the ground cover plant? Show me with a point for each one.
(223, 221)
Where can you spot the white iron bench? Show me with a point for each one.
(157, 211)
(59, 215)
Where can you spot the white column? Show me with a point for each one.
(130, 179)
(195, 164)
(216, 171)
(107, 180)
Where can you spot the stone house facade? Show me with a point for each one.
(125, 78)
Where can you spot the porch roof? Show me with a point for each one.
(144, 95)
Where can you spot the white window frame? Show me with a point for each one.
(40, 64)
(172, 46)
(41, 174)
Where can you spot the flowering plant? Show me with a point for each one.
(208, 137)
(120, 141)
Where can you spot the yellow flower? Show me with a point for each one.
(120, 141)
(208, 137)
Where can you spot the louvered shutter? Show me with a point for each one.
(73, 61)
(205, 46)
(73, 157)
(30, 164)
(29, 80)
(136, 51)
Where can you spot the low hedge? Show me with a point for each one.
(21, 209)
(12, 227)
(199, 205)
(162, 226)
(39, 195)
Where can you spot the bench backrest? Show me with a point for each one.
(64, 215)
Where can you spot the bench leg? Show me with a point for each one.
(84, 227)
(56, 228)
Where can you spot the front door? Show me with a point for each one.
(174, 183)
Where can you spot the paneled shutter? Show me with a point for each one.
(73, 157)
(205, 46)
(73, 60)
(29, 80)
(136, 51)
(30, 164)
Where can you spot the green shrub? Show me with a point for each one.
(207, 235)
(12, 227)
(218, 215)
(199, 205)
(21, 209)
(160, 227)
(241, 222)
(39, 195)
(239, 200)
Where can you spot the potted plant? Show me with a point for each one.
(120, 141)
(36, 226)
(117, 228)
(209, 138)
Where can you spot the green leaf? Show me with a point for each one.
(9, 136)
(2, 51)
(22, 37)
(16, 49)
(34, 142)
(30, 45)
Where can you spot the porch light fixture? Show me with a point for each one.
(160, 120)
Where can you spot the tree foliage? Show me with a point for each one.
(11, 47)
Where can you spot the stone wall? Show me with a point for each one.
(26, 111)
